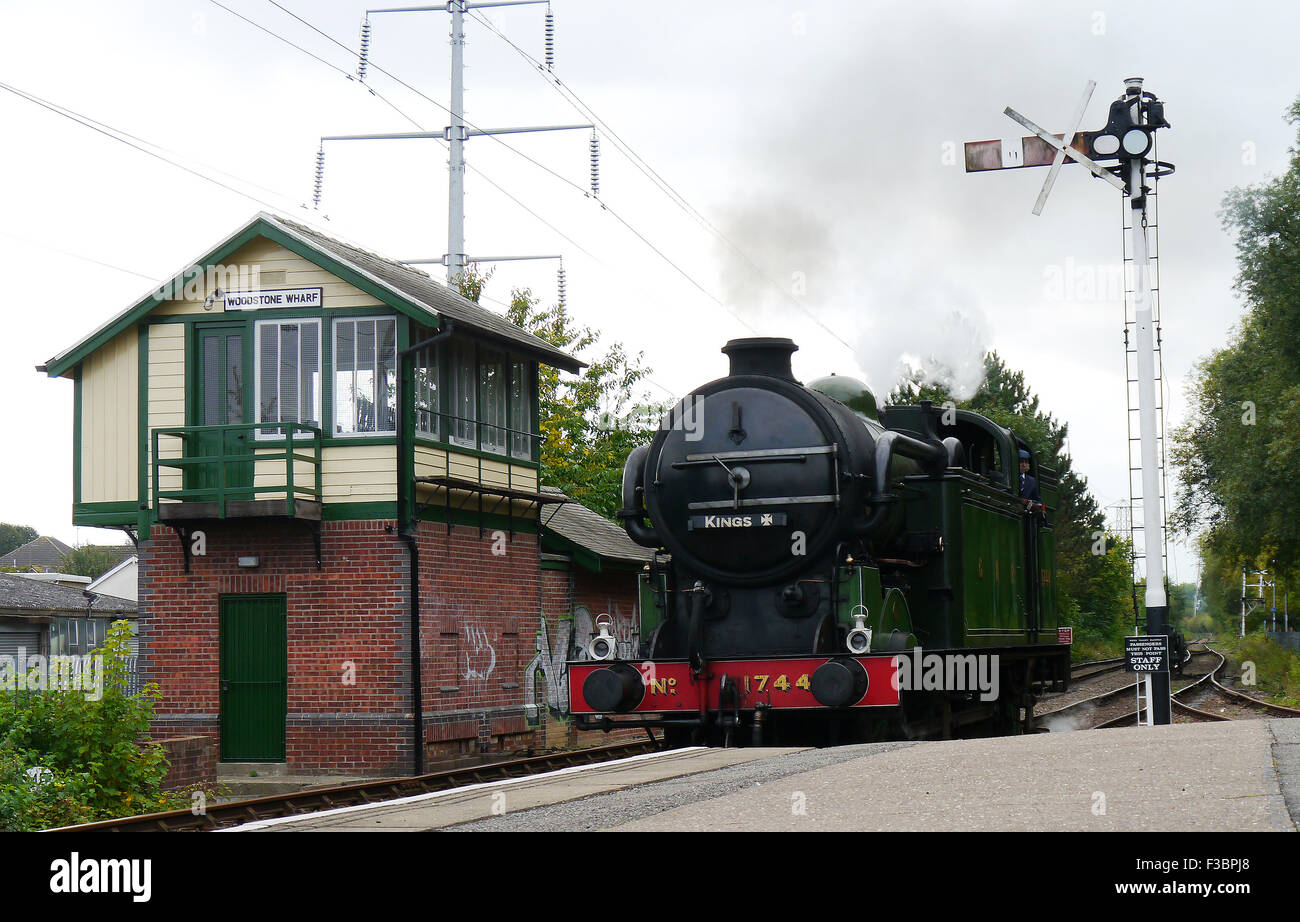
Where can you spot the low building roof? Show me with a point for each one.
(36, 597)
(43, 552)
(405, 288)
(573, 526)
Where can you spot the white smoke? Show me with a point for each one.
(927, 330)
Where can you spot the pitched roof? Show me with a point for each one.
(35, 597)
(402, 287)
(43, 552)
(579, 526)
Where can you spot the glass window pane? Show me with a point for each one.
(386, 374)
(426, 391)
(234, 379)
(464, 384)
(211, 382)
(289, 373)
(492, 412)
(309, 377)
(268, 409)
(521, 419)
(365, 376)
(345, 359)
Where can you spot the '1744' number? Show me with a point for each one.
(780, 683)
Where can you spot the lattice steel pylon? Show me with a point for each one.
(1136, 499)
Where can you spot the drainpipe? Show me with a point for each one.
(407, 528)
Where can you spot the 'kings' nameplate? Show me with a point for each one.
(739, 520)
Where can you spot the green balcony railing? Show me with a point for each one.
(220, 464)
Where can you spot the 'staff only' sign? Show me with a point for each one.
(1146, 653)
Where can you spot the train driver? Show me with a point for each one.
(1028, 483)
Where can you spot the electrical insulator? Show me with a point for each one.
(550, 38)
(595, 165)
(320, 175)
(559, 284)
(365, 49)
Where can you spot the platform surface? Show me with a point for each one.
(1188, 777)
(1233, 776)
(446, 808)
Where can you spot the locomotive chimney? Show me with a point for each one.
(761, 356)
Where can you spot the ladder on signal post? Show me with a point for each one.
(1137, 553)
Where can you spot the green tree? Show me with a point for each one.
(15, 536)
(589, 423)
(93, 560)
(1238, 455)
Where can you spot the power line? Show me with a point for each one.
(392, 105)
(109, 132)
(650, 173)
(51, 247)
(582, 191)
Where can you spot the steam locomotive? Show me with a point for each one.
(829, 571)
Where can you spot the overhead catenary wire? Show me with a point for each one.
(650, 173)
(604, 205)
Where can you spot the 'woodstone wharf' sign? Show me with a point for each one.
(270, 300)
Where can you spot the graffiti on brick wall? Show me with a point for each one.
(625, 628)
(549, 662)
(569, 641)
(480, 655)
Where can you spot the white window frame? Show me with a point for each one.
(257, 376)
(334, 379)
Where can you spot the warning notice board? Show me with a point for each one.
(1146, 653)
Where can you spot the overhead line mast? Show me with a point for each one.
(457, 132)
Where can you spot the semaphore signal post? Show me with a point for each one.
(1127, 141)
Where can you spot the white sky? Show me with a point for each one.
(812, 134)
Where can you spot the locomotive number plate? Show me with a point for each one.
(747, 520)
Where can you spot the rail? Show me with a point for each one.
(235, 813)
(216, 463)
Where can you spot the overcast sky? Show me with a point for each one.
(821, 140)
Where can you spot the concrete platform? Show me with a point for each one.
(1211, 777)
(447, 808)
(1218, 777)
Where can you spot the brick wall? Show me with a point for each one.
(193, 760)
(479, 601)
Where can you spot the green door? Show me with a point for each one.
(221, 391)
(254, 677)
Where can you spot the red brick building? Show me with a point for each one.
(284, 427)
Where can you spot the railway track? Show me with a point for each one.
(1081, 671)
(237, 812)
(1206, 685)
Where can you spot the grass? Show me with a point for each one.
(1276, 668)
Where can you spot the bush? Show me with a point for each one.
(95, 757)
(1277, 668)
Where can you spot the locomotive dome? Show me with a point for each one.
(851, 392)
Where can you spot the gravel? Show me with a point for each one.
(630, 804)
